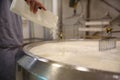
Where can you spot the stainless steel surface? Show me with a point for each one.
(45, 69)
(107, 44)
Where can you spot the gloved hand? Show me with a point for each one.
(35, 5)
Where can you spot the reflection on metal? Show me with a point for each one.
(116, 77)
(39, 77)
(43, 59)
(39, 68)
(57, 71)
(82, 69)
(56, 65)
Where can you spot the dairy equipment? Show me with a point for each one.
(75, 59)
(69, 60)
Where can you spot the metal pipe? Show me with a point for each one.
(88, 14)
(60, 19)
(31, 30)
(61, 12)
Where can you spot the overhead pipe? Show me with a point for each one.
(111, 5)
(88, 14)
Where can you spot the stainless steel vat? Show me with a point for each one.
(40, 68)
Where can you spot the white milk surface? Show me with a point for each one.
(81, 53)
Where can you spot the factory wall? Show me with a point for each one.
(97, 10)
(101, 9)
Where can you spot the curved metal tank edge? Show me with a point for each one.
(94, 74)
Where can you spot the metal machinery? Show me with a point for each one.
(34, 67)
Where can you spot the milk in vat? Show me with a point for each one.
(80, 53)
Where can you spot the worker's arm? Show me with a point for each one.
(35, 5)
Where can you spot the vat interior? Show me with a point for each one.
(80, 53)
